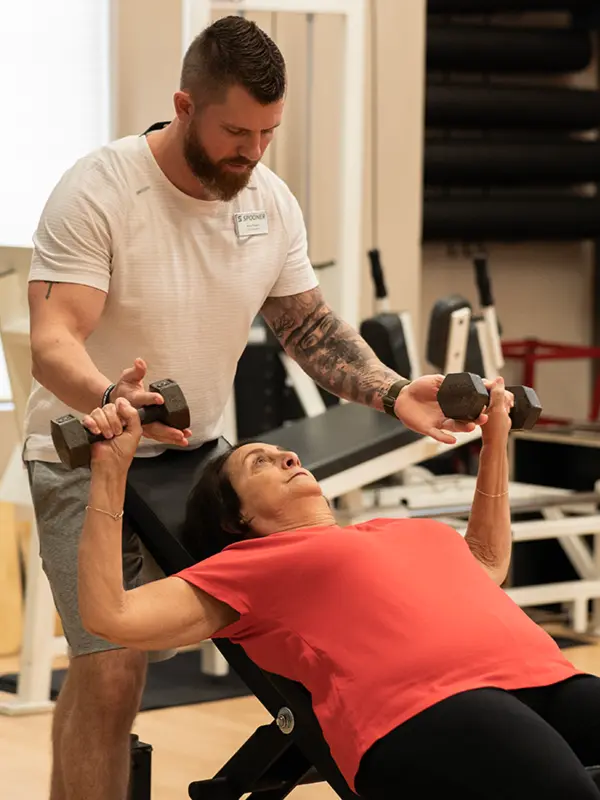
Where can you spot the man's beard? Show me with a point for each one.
(219, 181)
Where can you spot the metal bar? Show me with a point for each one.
(40, 645)
(383, 466)
(554, 529)
(351, 191)
(308, 115)
(306, 389)
(458, 335)
(518, 507)
(575, 548)
(487, 356)
(411, 344)
(195, 16)
(564, 592)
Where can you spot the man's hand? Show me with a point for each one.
(417, 407)
(130, 386)
(119, 423)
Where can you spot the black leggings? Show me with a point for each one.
(487, 744)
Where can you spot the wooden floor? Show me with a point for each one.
(189, 743)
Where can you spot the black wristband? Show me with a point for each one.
(106, 395)
(390, 397)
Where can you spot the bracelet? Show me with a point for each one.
(485, 494)
(102, 511)
(106, 395)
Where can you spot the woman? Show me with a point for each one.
(424, 675)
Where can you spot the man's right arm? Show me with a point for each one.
(62, 316)
(68, 284)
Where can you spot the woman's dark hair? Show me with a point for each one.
(213, 516)
(234, 50)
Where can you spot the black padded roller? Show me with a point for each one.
(511, 219)
(502, 6)
(511, 108)
(483, 48)
(483, 163)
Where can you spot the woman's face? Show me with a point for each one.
(267, 479)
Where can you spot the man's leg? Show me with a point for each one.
(92, 723)
(104, 684)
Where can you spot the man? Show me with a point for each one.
(143, 250)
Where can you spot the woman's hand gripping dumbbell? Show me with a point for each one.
(463, 396)
(73, 441)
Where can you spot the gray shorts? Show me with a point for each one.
(59, 499)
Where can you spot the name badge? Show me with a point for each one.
(251, 223)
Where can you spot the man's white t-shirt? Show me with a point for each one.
(183, 283)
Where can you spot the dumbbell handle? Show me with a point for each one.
(147, 414)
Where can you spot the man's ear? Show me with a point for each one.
(184, 106)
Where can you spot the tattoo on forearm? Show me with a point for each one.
(50, 285)
(328, 349)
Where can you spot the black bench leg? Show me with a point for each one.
(140, 779)
(268, 763)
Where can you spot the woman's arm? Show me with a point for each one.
(489, 534)
(160, 615)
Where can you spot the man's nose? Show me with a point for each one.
(252, 148)
(290, 460)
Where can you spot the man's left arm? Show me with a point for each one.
(338, 359)
(328, 349)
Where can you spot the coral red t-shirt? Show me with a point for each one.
(378, 621)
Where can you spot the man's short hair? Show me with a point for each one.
(233, 51)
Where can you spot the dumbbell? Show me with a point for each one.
(463, 396)
(73, 441)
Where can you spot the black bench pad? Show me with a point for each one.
(341, 438)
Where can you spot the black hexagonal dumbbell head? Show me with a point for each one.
(463, 396)
(527, 408)
(73, 441)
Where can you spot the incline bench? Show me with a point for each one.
(345, 448)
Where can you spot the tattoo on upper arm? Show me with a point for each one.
(50, 285)
(328, 348)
